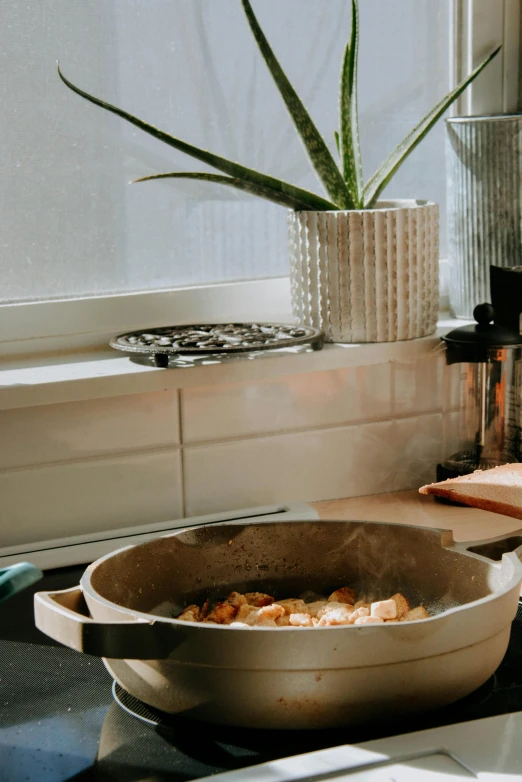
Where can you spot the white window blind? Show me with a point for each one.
(71, 225)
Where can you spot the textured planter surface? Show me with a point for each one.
(367, 276)
(484, 164)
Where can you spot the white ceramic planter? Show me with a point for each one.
(367, 276)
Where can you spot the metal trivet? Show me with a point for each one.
(216, 338)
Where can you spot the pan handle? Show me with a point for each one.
(494, 548)
(64, 616)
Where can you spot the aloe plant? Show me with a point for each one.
(343, 185)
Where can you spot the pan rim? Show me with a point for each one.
(446, 540)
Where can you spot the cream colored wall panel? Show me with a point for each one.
(76, 430)
(318, 399)
(323, 464)
(54, 501)
(417, 385)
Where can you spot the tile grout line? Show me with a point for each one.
(312, 429)
(114, 455)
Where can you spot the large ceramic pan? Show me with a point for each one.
(294, 677)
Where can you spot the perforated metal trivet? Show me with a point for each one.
(214, 338)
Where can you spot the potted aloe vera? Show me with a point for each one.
(362, 269)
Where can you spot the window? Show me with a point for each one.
(72, 226)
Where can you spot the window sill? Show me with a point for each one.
(77, 377)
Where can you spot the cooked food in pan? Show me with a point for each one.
(255, 609)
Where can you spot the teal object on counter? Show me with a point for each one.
(17, 577)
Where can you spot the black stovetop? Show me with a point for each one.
(59, 720)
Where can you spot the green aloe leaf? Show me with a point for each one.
(350, 147)
(247, 187)
(337, 141)
(380, 179)
(310, 200)
(318, 152)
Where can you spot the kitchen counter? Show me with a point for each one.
(410, 507)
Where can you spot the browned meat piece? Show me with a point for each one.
(415, 614)
(235, 599)
(300, 620)
(222, 614)
(225, 612)
(273, 611)
(257, 609)
(244, 611)
(266, 616)
(190, 614)
(258, 599)
(342, 595)
(293, 606)
(314, 608)
(402, 604)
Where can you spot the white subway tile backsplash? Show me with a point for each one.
(54, 501)
(318, 399)
(77, 430)
(83, 467)
(417, 448)
(323, 464)
(416, 386)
